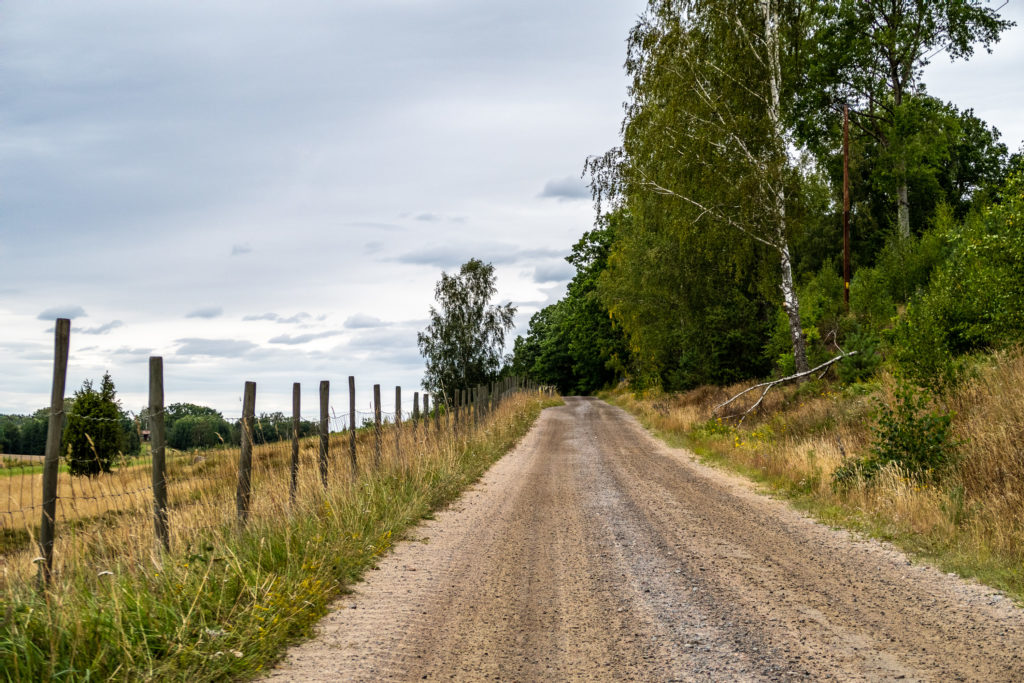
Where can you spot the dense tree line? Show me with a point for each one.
(717, 254)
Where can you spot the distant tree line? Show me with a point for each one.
(97, 430)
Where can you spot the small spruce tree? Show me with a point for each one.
(93, 435)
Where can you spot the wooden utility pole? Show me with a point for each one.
(846, 206)
(51, 464)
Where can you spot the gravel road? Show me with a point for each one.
(594, 552)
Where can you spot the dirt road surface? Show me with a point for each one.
(594, 552)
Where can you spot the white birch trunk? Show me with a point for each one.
(790, 303)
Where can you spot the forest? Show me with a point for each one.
(717, 250)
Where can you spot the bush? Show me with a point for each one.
(973, 301)
(865, 363)
(870, 298)
(907, 434)
(905, 265)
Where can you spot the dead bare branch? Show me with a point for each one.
(767, 386)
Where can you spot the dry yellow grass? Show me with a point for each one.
(108, 517)
(974, 515)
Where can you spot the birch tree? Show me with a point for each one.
(705, 127)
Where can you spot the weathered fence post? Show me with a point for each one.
(158, 444)
(244, 491)
(426, 416)
(325, 395)
(51, 464)
(415, 413)
(376, 426)
(398, 423)
(296, 421)
(352, 425)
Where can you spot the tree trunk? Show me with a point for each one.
(903, 212)
(789, 299)
(791, 306)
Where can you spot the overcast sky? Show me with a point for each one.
(268, 191)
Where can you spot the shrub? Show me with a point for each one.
(908, 434)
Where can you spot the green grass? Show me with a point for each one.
(227, 607)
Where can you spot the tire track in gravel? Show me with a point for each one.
(594, 552)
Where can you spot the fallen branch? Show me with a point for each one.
(767, 386)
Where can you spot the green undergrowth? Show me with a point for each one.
(952, 546)
(227, 608)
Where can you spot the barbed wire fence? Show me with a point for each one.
(183, 500)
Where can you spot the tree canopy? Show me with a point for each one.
(463, 345)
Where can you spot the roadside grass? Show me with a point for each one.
(225, 602)
(969, 520)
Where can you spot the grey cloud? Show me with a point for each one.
(383, 339)
(206, 312)
(297, 318)
(220, 348)
(565, 189)
(428, 217)
(275, 317)
(303, 338)
(239, 249)
(456, 254)
(102, 329)
(70, 312)
(555, 272)
(133, 355)
(361, 321)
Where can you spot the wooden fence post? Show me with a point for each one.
(244, 491)
(415, 412)
(398, 423)
(158, 445)
(325, 394)
(376, 426)
(51, 464)
(426, 416)
(296, 423)
(352, 425)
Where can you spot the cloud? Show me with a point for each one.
(133, 355)
(450, 256)
(220, 348)
(303, 338)
(239, 249)
(554, 272)
(297, 318)
(300, 317)
(102, 329)
(428, 217)
(70, 312)
(361, 321)
(376, 340)
(206, 312)
(565, 189)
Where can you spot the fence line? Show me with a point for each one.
(180, 495)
